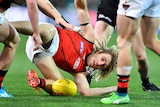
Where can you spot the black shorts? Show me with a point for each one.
(107, 11)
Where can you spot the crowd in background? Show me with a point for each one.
(65, 7)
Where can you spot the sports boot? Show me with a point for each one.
(4, 94)
(33, 80)
(115, 99)
(150, 87)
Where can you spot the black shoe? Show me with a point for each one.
(150, 87)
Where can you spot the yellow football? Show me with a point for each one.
(64, 87)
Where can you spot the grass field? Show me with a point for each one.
(24, 96)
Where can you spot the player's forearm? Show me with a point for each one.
(84, 20)
(48, 9)
(82, 11)
(33, 14)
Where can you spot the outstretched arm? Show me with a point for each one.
(34, 19)
(48, 9)
(84, 20)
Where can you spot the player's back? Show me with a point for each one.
(72, 51)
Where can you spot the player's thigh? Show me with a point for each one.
(103, 30)
(149, 28)
(100, 27)
(48, 68)
(127, 27)
(4, 30)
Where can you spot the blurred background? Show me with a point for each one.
(65, 7)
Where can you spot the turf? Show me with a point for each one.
(24, 96)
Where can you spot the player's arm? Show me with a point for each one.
(34, 19)
(48, 9)
(84, 20)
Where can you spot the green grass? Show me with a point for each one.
(24, 96)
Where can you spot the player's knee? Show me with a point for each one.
(13, 39)
(122, 43)
(141, 55)
(15, 43)
(47, 32)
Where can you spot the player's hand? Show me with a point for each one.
(37, 41)
(63, 23)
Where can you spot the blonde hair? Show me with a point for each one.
(113, 51)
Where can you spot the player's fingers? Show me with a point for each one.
(36, 46)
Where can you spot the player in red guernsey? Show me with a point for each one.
(71, 51)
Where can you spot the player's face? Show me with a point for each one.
(99, 60)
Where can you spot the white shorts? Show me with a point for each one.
(138, 8)
(50, 51)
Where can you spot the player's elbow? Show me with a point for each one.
(84, 92)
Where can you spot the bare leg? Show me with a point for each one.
(10, 38)
(124, 41)
(49, 69)
(149, 27)
(139, 50)
(103, 31)
(44, 62)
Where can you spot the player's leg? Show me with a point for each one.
(124, 41)
(142, 64)
(126, 28)
(49, 70)
(149, 28)
(103, 31)
(43, 60)
(10, 39)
